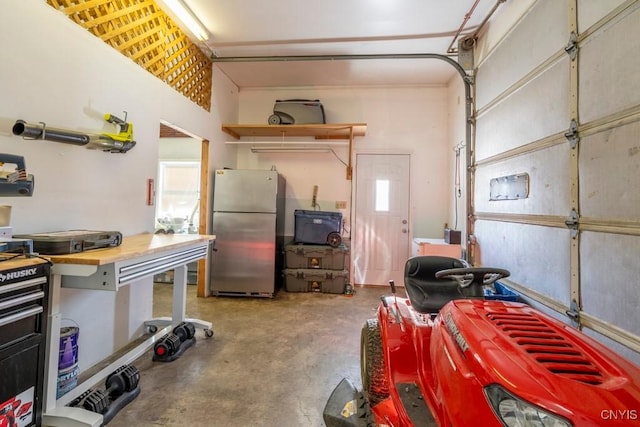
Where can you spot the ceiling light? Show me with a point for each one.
(291, 150)
(184, 14)
(310, 142)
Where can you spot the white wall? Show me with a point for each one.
(54, 71)
(399, 120)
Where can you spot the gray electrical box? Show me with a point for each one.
(465, 53)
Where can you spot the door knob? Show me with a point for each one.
(404, 230)
(404, 221)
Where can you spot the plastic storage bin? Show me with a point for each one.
(315, 256)
(502, 293)
(314, 280)
(317, 227)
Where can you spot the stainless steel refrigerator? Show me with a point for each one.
(248, 222)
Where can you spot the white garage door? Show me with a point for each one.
(562, 121)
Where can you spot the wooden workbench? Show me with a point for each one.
(132, 247)
(138, 257)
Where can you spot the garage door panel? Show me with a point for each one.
(623, 351)
(562, 317)
(610, 174)
(540, 261)
(517, 56)
(609, 279)
(590, 12)
(610, 68)
(537, 110)
(548, 190)
(600, 89)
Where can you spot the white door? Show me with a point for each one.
(381, 228)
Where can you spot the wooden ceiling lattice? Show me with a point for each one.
(140, 30)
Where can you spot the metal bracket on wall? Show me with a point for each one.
(574, 313)
(572, 134)
(572, 46)
(572, 223)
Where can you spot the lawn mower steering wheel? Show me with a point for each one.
(467, 276)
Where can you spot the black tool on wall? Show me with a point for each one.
(15, 182)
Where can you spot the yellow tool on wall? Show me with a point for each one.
(125, 129)
(120, 142)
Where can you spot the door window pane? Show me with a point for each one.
(382, 195)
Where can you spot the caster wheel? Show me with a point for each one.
(208, 333)
(152, 329)
(334, 239)
(274, 119)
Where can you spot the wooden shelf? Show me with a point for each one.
(318, 131)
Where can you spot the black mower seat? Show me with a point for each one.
(428, 294)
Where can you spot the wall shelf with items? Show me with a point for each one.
(330, 133)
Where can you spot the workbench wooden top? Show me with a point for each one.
(131, 247)
(18, 261)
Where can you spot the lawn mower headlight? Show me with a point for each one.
(515, 412)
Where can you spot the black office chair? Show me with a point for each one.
(429, 294)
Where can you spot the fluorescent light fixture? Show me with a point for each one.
(304, 150)
(310, 143)
(291, 150)
(184, 14)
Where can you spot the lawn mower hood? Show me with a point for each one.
(480, 354)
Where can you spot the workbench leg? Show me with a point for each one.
(53, 345)
(52, 414)
(180, 302)
(179, 306)
(179, 294)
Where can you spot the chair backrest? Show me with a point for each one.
(429, 294)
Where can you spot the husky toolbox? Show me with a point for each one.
(72, 241)
(315, 280)
(317, 227)
(315, 256)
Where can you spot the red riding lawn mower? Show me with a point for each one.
(447, 356)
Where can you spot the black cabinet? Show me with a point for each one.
(24, 287)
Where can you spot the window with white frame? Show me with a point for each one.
(178, 195)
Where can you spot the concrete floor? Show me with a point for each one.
(271, 362)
